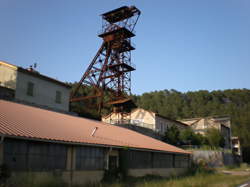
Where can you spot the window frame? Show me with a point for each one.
(58, 98)
(30, 89)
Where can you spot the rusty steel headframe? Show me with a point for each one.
(110, 70)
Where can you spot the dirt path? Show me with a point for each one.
(247, 184)
(239, 173)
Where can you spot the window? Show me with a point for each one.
(58, 97)
(181, 161)
(139, 159)
(162, 160)
(30, 89)
(89, 158)
(22, 155)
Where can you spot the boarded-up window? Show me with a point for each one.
(89, 158)
(34, 156)
(58, 97)
(181, 161)
(30, 89)
(139, 159)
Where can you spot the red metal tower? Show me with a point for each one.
(108, 77)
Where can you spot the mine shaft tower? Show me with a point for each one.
(108, 77)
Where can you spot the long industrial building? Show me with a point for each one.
(78, 150)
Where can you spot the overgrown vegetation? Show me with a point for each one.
(212, 137)
(4, 174)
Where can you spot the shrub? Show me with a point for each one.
(4, 173)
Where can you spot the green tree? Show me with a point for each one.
(172, 136)
(215, 138)
(188, 137)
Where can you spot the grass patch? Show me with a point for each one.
(241, 167)
(198, 180)
(197, 176)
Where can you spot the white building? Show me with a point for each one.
(31, 87)
(146, 119)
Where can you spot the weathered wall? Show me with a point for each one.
(164, 172)
(213, 158)
(44, 92)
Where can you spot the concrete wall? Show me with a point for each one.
(8, 76)
(44, 92)
(164, 172)
(213, 158)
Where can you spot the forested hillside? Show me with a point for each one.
(178, 105)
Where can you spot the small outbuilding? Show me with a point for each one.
(46, 143)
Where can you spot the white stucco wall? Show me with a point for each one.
(143, 118)
(44, 92)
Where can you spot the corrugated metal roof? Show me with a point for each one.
(24, 121)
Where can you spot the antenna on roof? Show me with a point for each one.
(32, 67)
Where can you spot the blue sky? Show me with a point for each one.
(184, 45)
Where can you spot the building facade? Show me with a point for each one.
(37, 142)
(31, 87)
(146, 119)
(222, 123)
